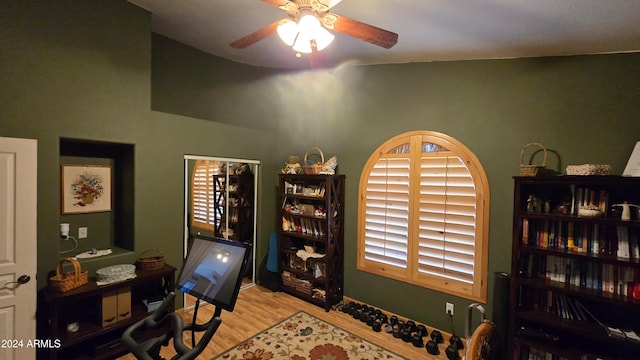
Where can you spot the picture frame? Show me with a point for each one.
(86, 188)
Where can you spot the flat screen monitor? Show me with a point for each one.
(213, 270)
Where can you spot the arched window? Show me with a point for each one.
(423, 214)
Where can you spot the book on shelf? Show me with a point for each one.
(609, 278)
(588, 197)
(586, 238)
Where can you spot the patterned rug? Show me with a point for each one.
(305, 337)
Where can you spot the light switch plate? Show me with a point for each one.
(82, 233)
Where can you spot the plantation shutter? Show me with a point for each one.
(423, 215)
(387, 211)
(202, 202)
(447, 218)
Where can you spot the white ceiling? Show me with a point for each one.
(429, 30)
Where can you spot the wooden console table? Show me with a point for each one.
(86, 306)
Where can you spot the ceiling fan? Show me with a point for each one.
(306, 27)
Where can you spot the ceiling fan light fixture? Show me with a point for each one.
(303, 43)
(309, 24)
(288, 30)
(308, 30)
(323, 38)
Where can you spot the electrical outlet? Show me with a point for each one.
(82, 233)
(449, 309)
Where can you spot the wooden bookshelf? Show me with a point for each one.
(311, 215)
(575, 268)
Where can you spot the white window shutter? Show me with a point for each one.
(202, 202)
(387, 212)
(447, 219)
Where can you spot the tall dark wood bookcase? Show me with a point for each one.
(312, 218)
(575, 284)
(234, 206)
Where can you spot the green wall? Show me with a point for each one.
(584, 109)
(82, 70)
(93, 70)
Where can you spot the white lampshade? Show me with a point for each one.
(288, 31)
(308, 24)
(301, 35)
(323, 38)
(303, 43)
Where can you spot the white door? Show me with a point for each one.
(18, 202)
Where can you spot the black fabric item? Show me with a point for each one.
(270, 280)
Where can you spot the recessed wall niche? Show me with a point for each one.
(112, 229)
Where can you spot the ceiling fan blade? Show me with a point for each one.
(359, 30)
(276, 2)
(330, 3)
(256, 36)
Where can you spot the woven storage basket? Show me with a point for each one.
(532, 170)
(62, 282)
(150, 262)
(588, 169)
(304, 287)
(288, 280)
(309, 166)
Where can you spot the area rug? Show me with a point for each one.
(305, 337)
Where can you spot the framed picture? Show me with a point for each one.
(86, 188)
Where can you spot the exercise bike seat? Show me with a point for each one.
(174, 327)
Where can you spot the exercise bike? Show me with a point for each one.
(212, 271)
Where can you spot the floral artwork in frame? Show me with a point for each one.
(86, 189)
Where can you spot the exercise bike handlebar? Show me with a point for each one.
(160, 318)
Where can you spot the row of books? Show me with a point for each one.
(299, 188)
(587, 197)
(553, 302)
(304, 226)
(587, 238)
(608, 278)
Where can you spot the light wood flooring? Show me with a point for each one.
(258, 308)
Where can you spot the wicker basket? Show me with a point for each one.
(62, 282)
(588, 169)
(310, 167)
(532, 170)
(151, 262)
(304, 287)
(288, 280)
